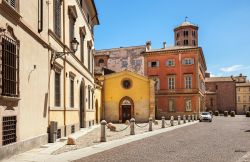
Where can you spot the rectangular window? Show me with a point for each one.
(89, 57)
(170, 62)
(188, 61)
(82, 47)
(57, 88)
(57, 17)
(171, 105)
(194, 42)
(171, 82)
(9, 130)
(89, 98)
(71, 30)
(193, 33)
(153, 64)
(177, 35)
(10, 67)
(188, 81)
(71, 92)
(185, 42)
(188, 104)
(185, 33)
(92, 100)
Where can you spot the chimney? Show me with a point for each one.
(148, 45)
(164, 45)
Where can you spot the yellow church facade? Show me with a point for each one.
(127, 95)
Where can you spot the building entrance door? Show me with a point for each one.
(126, 112)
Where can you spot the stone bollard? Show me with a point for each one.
(184, 119)
(103, 131)
(179, 120)
(132, 126)
(162, 122)
(172, 121)
(150, 124)
(195, 117)
(192, 118)
(189, 118)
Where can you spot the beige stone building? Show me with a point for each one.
(24, 66)
(44, 77)
(243, 97)
(72, 87)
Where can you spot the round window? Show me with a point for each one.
(126, 84)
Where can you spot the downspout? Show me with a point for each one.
(64, 72)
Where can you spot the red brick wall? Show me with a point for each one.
(225, 95)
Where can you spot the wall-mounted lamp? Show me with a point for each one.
(74, 46)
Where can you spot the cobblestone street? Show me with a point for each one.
(225, 139)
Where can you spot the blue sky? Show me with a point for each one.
(224, 28)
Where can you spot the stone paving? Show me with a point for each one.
(93, 137)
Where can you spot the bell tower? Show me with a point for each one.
(186, 34)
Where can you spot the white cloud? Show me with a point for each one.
(234, 68)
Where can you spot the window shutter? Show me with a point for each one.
(157, 63)
(183, 61)
(192, 61)
(149, 64)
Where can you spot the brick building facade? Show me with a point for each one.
(179, 73)
(220, 94)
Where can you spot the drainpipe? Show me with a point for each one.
(64, 71)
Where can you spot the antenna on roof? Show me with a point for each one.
(186, 18)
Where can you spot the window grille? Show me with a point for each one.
(58, 133)
(57, 17)
(9, 130)
(9, 64)
(72, 129)
(57, 89)
(12, 3)
(71, 92)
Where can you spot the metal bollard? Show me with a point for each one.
(132, 126)
(172, 121)
(184, 118)
(150, 124)
(103, 131)
(189, 118)
(192, 118)
(179, 120)
(162, 122)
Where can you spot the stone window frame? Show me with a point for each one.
(173, 109)
(171, 83)
(82, 42)
(72, 89)
(9, 36)
(57, 69)
(188, 61)
(185, 33)
(170, 62)
(90, 56)
(72, 19)
(150, 64)
(57, 9)
(188, 81)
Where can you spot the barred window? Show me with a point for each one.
(9, 65)
(57, 17)
(82, 47)
(89, 97)
(57, 88)
(9, 130)
(12, 3)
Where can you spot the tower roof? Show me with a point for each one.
(186, 23)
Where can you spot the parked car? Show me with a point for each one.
(205, 116)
